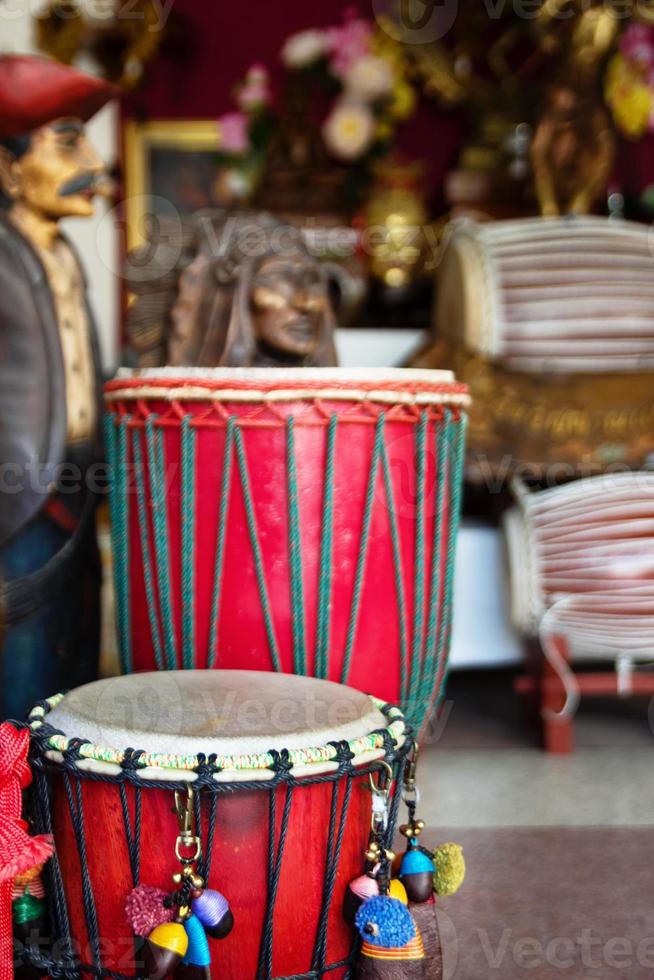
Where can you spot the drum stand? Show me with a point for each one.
(554, 691)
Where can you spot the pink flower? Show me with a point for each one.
(348, 43)
(233, 133)
(254, 93)
(637, 46)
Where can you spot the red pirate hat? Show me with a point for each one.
(34, 91)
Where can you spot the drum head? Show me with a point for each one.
(237, 715)
(385, 385)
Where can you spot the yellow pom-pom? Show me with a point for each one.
(450, 869)
(397, 890)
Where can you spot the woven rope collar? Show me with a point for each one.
(258, 761)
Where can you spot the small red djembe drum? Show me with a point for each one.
(299, 521)
(272, 815)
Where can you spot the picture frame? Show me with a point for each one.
(169, 166)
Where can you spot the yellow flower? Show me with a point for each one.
(403, 100)
(631, 101)
(382, 44)
(384, 130)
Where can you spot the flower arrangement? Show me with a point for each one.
(629, 82)
(243, 136)
(364, 73)
(368, 70)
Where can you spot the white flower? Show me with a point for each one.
(303, 49)
(349, 130)
(369, 78)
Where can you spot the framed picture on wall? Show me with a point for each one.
(170, 165)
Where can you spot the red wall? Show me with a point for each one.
(212, 43)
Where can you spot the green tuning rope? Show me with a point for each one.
(157, 468)
(419, 559)
(363, 549)
(220, 543)
(295, 554)
(326, 550)
(118, 507)
(456, 497)
(443, 440)
(399, 577)
(256, 549)
(188, 542)
(146, 555)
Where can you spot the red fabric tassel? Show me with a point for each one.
(18, 851)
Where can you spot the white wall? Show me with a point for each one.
(95, 238)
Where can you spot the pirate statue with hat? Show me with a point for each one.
(50, 451)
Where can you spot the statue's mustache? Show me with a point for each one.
(84, 182)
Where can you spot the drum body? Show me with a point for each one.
(551, 295)
(281, 843)
(591, 541)
(298, 521)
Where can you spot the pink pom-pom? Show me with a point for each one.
(145, 909)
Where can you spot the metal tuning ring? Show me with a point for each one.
(188, 846)
(380, 794)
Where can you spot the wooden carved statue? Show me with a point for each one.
(50, 384)
(247, 292)
(572, 151)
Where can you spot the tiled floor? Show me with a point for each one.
(485, 768)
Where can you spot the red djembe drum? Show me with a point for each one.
(273, 812)
(300, 521)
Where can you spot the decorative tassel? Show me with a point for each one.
(145, 909)
(213, 911)
(364, 887)
(18, 851)
(426, 921)
(417, 873)
(164, 950)
(449, 869)
(360, 889)
(29, 928)
(196, 965)
(392, 963)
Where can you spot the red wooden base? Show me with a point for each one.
(543, 686)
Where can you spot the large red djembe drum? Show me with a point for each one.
(279, 815)
(299, 521)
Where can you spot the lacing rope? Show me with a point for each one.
(188, 543)
(456, 497)
(295, 555)
(399, 575)
(334, 845)
(423, 627)
(146, 554)
(220, 543)
(326, 546)
(363, 549)
(119, 511)
(427, 668)
(128, 781)
(256, 550)
(275, 857)
(419, 560)
(18, 851)
(154, 439)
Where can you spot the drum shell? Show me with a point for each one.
(243, 639)
(550, 296)
(239, 869)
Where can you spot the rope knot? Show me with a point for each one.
(282, 764)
